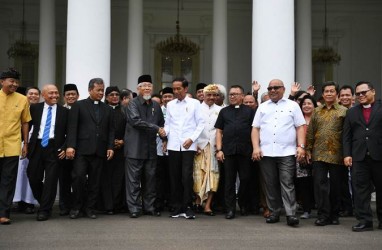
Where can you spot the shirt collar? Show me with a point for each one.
(47, 106)
(335, 106)
(186, 99)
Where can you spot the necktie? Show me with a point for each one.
(45, 136)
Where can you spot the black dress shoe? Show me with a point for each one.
(292, 221)
(109, 212)
(272, 219)
(322, 222)
(360, 227)
(74, 214)
(134, 215)
(42, 217)
(64, 212)
(91, 214)
(380, 225)
(230, 215)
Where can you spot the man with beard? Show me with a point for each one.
(144, 120)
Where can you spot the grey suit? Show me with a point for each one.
(143, 122)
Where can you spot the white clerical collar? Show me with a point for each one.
(366, 106)
(96, 102)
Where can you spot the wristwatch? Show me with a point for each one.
(301, 146)
(217, 151)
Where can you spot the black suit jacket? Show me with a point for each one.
(143, 121)
(86, 134)
(60, 128)
(359, 137)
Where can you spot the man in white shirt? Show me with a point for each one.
(276, 124)
(183, 125)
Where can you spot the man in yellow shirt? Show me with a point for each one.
(14, 113)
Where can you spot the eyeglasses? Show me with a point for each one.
(274, 88)
(145, 85)
(234, 94)
(113, 94)
(362, 93)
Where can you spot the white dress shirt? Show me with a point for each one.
(183, 121)
(43, 121)
(208, 135)
(278, 123)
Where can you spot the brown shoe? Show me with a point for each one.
(266, 213)
(5, 221)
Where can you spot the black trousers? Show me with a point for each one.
(328, 191)
(181, 178)
(234, 164)
(65, 184)
(162, 183)
(305, 191)
(365, 173)
(86, 178)
(347, 199)
(140, 176)
(113, 184)
(8, 175)
(43, 170)
(254, 187)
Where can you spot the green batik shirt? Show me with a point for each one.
(324, 135)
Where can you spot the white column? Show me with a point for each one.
(273, 42)
(219, 42)
(304, 43)
(47, 44)
(88, 43)
(134, 44)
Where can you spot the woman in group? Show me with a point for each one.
(23, 192)
(304, 180)
(206, 171)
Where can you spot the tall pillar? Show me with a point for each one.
(273, 42)
(304, 43)
(88, 43)
(219, 42)
(47, 44)
(134, 43)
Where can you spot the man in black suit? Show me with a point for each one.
(71, 96)
(90, 141)
(362, 136)
(144, 120)
(46, 149)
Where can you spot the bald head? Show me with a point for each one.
(50, 94)
(276, 90)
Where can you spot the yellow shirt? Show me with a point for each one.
(14, 110)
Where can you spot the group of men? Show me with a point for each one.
(90, 144)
